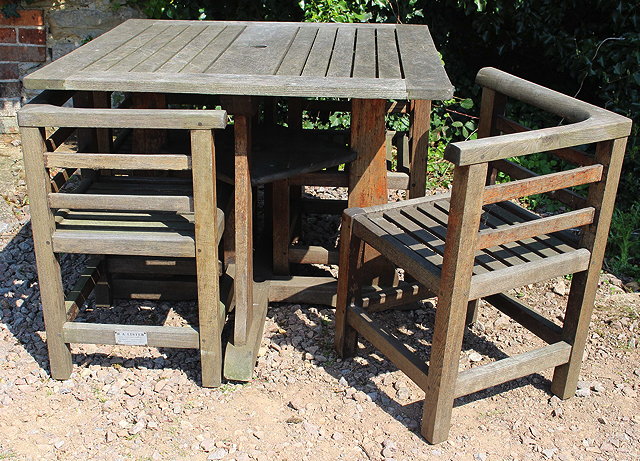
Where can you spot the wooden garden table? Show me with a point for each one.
(369, 63)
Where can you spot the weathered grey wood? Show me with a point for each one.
(420, 62)
(49, 274)
(342, 56)
(453, 296)
(156, 58)
(519, 172)
(258, 50)
(239, 360)
(296, 57)
(588, 123)
(206, 251)
(420, 124)
(391, 347)
(184, 56)
(243, 230)
(539, 325)
(303, 289)
(489, 283)
(82, 289)
(157, 336)
(312, 255)
(124, 47)
(179, 204)
(364, 60)
(317, 62)
(500, 371)
(45, 115)
(206, 57)
(261, 58)
(568, 153)
(118, 161)
(173, 244)
(584, 284)
(541, 184)
(388, 58)
(492, 237)
(388, 298)
(156, 266)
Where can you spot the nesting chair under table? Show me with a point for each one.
(475, 242)
(124, 212)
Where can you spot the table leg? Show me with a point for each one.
(419, 145)
(368, 175)
(368, 172)
(243, 229)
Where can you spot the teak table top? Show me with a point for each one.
(370, 61)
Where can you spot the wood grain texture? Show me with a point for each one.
(420, 123)
(45, 115)
(263, 58)
(243, 230)
(500, 371)
(494, 237)
(588, 123)
(157, 336)
(95, 161)
(206, 252)
(541, 184)
(281, 226)
(49, 273)
(584, 284)
(457, 267)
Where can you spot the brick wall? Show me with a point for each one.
(22, 46)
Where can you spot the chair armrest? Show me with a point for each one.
(589, 123)
(38, 115)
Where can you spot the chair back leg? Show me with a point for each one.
(601, 196)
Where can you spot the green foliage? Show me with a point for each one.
(624, 242)
(270, 10)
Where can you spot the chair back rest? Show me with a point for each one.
(478, 161)
(46, 111)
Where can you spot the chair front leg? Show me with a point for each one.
(351, 260)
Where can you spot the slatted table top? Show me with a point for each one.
(376, 61)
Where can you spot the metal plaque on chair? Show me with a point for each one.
(131, 338)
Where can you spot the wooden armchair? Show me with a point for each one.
(122, 214)
(474, 242)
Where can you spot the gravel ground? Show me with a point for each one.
(304, 403)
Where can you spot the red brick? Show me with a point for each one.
(8, 71)
(7, 35)
(22, 53)
(27, 18)
(10, 89)
(32, 36)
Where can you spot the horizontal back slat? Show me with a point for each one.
(175, 162)
(519, 172)
(541, 184)
(179, 204)
(37, 115)
(492, 237)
